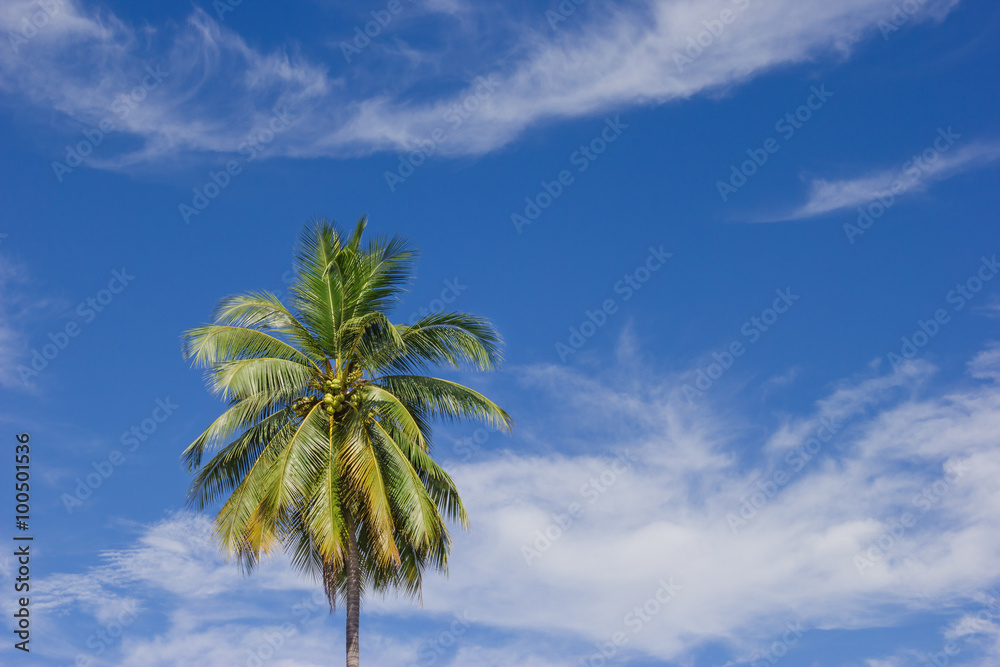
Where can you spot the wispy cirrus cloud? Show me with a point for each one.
(220, 88)
(986, 364)
(13, 341)
(915, 175)
(901, 445)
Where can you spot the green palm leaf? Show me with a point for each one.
(324, 449)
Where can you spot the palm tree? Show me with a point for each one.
(324, 449)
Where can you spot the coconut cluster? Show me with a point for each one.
(333, 398)
(337, 391)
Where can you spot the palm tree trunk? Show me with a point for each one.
(353, 597)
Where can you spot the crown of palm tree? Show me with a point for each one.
(324, 447)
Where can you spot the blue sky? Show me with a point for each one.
(742, 254)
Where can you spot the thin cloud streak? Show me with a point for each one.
(912, 177)
(219, 88)
(668, 517)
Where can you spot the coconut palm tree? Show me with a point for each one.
(324, 448)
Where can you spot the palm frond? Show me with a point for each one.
(326, 439)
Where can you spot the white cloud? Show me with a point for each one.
(11, 349)
(973, 633)
(177, 555)
(783, 380)
(201, 89)
(220, 89)
(915, 175)
(13, 342)
(901, 447)
(986, 364)
(795, 560)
